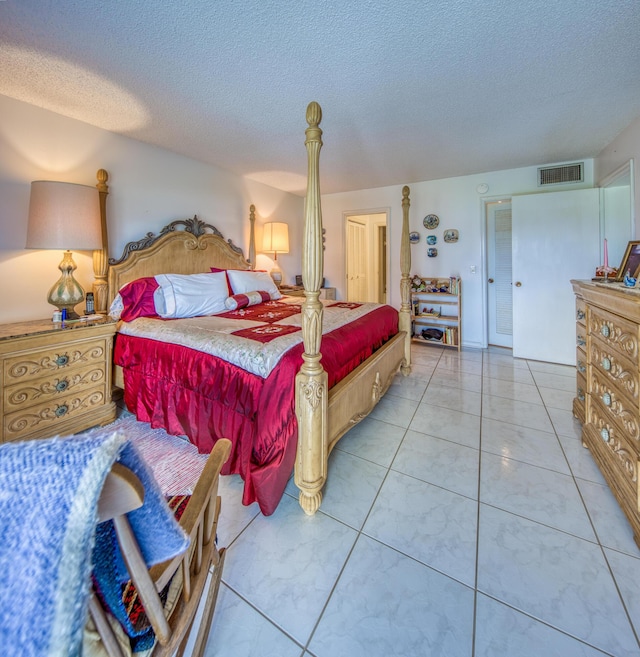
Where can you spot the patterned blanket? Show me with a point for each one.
(48, 502)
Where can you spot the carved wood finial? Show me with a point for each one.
(314, 114)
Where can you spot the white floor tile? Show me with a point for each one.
(502, 631)
(287, 564)
(532, 446)
(439, 462)
(523, 414)
(430, 524)
(373, 440)
(536, 493)
(508, 373)
(238, 630)
(458, 427)
(388, 605)
(555, 577)
(512, 390)
(352, 486)
(454, 398)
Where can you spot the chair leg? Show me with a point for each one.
(208, 609)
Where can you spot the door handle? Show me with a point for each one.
(518, 284)
(491, 280)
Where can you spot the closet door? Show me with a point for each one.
(555, 237)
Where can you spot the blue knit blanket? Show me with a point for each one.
(49, 491)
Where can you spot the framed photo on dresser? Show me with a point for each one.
(630, 261)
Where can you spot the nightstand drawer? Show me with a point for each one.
(54, 360)
(54, 416)
(54, 387)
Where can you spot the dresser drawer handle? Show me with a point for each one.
(606, 399)
(605, 435)
(61, 410)
(581, 341)
(606, 364)
(581, 394)
(62, 360)
(581, 367)
(605, 331)
(61, 386)
(580, 314)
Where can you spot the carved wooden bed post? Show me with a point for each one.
(311, 380)
(404, 320)
(252, 236)
(101, 256)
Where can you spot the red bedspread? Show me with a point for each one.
(188, 392)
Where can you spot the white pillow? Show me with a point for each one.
(249, 281)
(190, 295)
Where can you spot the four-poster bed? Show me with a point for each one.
(327, 405)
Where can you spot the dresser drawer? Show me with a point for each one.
(617, 333)
(620, 455)
(44, 419)
(581, 336)
(615, 406)
(618, 370)
(51, 388)
(55, 360)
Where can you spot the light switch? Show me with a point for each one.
(472, 269)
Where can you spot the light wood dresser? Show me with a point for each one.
(608, 386)
(56, 378)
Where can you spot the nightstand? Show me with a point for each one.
(298, 291)
(55, 377)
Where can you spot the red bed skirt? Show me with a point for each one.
(187, 392)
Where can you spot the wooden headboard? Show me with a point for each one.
(186, 246)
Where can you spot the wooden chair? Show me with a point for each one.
(122, 493)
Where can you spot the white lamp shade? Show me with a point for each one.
(64, 216)
(276, 237)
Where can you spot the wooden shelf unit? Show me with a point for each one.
(432, 307)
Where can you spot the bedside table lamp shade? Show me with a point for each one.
(276, 240)
(64, 216)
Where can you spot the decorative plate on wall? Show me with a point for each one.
(431, 221)
(431, 240)
(414, 237)
(451, 235)
(432, 252)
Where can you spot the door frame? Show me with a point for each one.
(386, 211)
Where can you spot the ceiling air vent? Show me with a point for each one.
(561, 175)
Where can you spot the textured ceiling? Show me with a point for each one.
(411, 91)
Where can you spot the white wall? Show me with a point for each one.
(624, 147)
(458, 205)
(149, 187)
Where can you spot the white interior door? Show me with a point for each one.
(555, 237)
(499, 270)
(356, 261)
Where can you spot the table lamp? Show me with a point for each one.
(276, 240)
(64, 216)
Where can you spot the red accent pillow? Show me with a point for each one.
(137, 299)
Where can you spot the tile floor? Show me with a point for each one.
(463, 517)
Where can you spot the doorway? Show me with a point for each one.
(367, 256)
